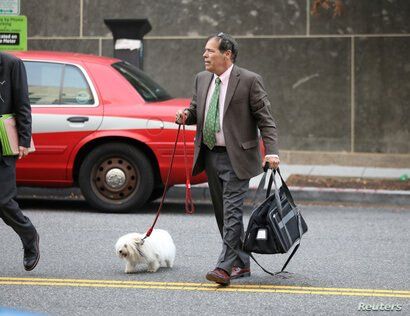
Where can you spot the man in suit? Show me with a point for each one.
(14, 99)
(228, 106)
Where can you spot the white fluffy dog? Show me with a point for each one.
(157, 250)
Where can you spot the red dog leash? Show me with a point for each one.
(189, 205)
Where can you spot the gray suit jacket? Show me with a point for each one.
(246, 110)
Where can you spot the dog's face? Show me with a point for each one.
(128, 247)
(123, 251)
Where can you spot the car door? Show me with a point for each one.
(65, 109)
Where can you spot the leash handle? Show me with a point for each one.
(189, 205)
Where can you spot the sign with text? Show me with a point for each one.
(9, 7)
(13, 32)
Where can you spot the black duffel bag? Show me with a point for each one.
(275, 225)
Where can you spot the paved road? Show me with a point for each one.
(350, 256)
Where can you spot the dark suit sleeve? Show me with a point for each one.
(21, 103)
(261, 111)
(192, 117)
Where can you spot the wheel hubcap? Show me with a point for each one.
(115, 178)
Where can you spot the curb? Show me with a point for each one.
(200, 194)
(312, 194)
(388, 197)
(69, 194)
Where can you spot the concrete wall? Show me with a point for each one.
(337, 85)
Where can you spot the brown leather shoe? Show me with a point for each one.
(218, 276)
(238, 272)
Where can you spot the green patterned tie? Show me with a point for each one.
(212, 124)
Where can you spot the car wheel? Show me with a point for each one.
(156, 194)
(116, 178)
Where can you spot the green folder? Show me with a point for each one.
(5, 138)
(9, 136)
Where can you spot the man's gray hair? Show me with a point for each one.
(226, 42)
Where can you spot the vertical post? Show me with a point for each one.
(307, 17)
(81, 17)
(352, 94)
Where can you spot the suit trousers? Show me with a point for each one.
(10, 211)
(227, 193)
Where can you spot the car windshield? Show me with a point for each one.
(145, 86)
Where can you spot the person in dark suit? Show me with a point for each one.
(14, 99)
(229, 106)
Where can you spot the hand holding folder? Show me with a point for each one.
(9, 136)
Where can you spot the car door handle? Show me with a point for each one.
(78, 119)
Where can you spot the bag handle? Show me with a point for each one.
(277, 196)
(286, 189)
(262, 185)
(284, 266)
(267, 271)
(272, 180)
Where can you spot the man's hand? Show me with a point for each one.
(272, 160)
(23, 152)
(181, 116)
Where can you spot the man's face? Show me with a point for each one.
(216, 61)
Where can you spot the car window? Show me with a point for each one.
(57, 84)
(75, 87)
(145, 86)
(44, 80)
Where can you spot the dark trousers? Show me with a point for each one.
(227, 193)
(10, 211)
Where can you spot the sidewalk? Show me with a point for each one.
(200, 192)
(342, 171)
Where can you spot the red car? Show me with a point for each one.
(104, 125)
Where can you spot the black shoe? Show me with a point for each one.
(32, 254)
